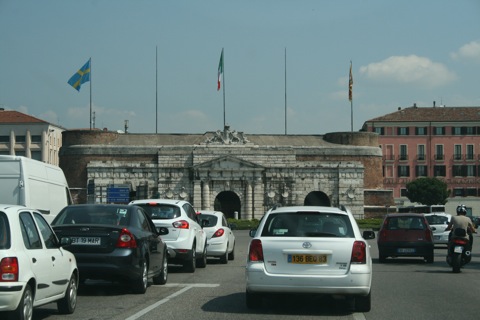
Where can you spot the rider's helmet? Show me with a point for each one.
(462, 210)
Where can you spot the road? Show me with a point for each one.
(402, 289)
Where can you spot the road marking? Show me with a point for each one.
(359, 316)
(187, 286)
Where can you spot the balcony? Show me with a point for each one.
(439, 157)
(421, 157)
(403, 157)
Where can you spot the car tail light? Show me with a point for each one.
(255, 253)
(359, 253)
(9, 269)
(126, 239)
(181, 224)
(460, 241)
(218, 233)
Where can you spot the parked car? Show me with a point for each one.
(185, 238)
(405, 235)
(310, 250)
(114, 242)
(34, 267)
(220, 237)
(438, 223)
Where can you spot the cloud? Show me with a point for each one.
(470, 52)
(412, 69)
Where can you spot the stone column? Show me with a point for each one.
(247, 214)
(28, 140)
(206, 195)
(197, 194)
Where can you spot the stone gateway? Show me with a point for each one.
(241, 175)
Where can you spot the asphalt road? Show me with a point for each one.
(402, 289)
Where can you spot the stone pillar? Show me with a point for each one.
(197, 194)
(206, 195)
(28, 141)
(12, 143)
(247, 214)
(258, 207)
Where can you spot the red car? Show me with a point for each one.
(405, 235)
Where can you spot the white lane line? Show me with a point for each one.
(359, 316)
(173, 295)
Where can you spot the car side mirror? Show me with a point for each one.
(368, 235)
(252, 232)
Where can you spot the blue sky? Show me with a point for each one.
(403, 52)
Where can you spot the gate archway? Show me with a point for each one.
(317, 198)
(228, 202)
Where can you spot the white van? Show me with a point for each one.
(35, 184)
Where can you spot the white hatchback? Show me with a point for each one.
(34, 268)
(182, 232)
(438, 223)
(220, 237)
(311, 250)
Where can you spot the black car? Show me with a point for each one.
(113, 242)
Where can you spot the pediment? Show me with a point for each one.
(227, 163)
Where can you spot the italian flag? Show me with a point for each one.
(220, 71)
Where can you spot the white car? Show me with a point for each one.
(34, 268)
(220, 237)
(185, 238)
(309, 250)
(438, 222)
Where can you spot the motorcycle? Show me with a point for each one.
(459, 250)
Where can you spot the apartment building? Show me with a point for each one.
(438, 141)
(24, 135)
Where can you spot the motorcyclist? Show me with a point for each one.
(463, 222)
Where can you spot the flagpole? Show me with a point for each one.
(350, 95)
(156, 89)
(223, 78)
(90, 93)
(285, 90)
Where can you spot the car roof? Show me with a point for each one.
(407, 214)
(215, 213)
(438, 214)
(308, 209)
(14, 206)
(164, 201)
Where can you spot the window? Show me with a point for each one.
(380, 131)
(439, 152)
(439, 131)
(458, 192)
(472, 192)
(403, 131)
(470, 170)
(47, 233)
(36, 139)
(457, 171)
(36, 155)
(403, 192)
(470, 130)
(457, 152)
(421, 152)
(403, 152)
(421, 131)
(403, 171)
(421, 171)
(456, 131)
(4, 139)
(30, 235)
(20, 139)
(439, 171)
(470, 155)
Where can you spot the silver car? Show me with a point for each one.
(438, 223)
(311, 250)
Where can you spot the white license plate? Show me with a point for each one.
(86, 241)
(406, 250)
(458, 249)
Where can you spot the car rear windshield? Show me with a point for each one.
(307, 224)
(109, 215)
(212, 220)
(396, 223)
(4, 232)
(161, 211)
(437, 219)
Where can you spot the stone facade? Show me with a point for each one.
(226, 170)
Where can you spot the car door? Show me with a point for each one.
(151, 240)
(41, 263)
(60, 269)
(200, 234)
(231, 237)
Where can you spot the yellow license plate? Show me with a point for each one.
(307, 258)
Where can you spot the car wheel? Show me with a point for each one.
(140, 284)
(231, 255)
(24, 310)
(202, 261)
(67, 304)
(363, 303)
(190, 264)
(162, 277)
(224, 257)
(253, 300)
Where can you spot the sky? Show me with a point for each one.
(286, 62)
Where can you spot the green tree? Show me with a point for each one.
(428, 191)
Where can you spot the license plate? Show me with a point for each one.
(406, 250)
(86, 241)
(307, 258)
(458, 249)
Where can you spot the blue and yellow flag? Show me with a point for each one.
(81, 76)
